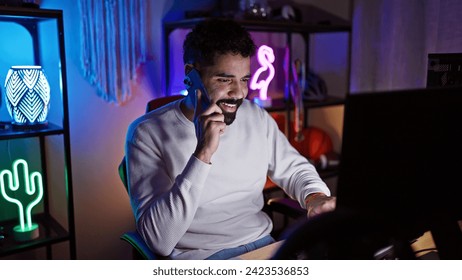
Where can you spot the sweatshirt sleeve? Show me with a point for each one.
(164, 209)
(288, 168)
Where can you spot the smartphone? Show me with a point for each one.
(194, 82)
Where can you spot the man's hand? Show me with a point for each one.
(318, 203)
(209, 123)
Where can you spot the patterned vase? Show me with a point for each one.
(27, 95)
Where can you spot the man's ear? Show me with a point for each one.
(187, 68)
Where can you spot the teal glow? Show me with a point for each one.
(33, 185)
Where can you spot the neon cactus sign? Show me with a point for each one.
(266, 58)
(32, 186)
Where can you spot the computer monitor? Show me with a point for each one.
(444, 69)
(402, 162)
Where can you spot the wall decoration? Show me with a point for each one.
(113, 38)
(266, 58)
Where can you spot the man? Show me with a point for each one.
(197, 166)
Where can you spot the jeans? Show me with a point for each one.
(234, 252)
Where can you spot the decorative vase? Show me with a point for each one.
(27, 95)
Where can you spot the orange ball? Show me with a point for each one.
(314, 143)
(280, 120)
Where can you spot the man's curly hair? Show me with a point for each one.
(216, 37)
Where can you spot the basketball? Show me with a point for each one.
(280, 120)
(315, 142)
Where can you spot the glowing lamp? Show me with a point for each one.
(27, 95)
(265, 56)
(14, 184)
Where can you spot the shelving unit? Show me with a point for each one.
(44, 36)
(318, 22)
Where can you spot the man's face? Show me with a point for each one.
(226, 82)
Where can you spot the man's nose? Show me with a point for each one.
(238, 90)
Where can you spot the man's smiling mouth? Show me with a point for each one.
(230, 105)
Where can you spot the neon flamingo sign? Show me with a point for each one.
(266, 58)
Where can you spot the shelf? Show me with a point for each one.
(11, 133)
(27, 15)
(313, 20)
(328, 101)
(51, 232)
(281, 104)
(272, 26)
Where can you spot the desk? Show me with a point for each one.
(265, 253)
(422, 245)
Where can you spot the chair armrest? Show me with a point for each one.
(134, 239)
(286, 206)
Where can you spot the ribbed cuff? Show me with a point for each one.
(196, 171)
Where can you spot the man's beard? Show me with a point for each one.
(230, 117)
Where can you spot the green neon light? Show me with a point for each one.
(33, 186)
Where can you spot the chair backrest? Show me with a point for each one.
(140, 249)
(161, 101)
(153, 104)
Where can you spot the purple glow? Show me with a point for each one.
(265, 57)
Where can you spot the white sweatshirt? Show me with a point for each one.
(187, 209)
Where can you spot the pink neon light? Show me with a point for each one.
(265, 57)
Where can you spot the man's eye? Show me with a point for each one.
(224, 80)
(245, 80)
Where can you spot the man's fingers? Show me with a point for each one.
(322, 205)
(329, 205)
(213, 109)
(218, 125)
(213, 117)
